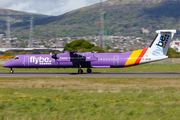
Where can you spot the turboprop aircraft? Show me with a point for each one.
(156, 51)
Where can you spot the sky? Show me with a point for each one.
(48, 7)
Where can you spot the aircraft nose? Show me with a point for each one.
(7, 64)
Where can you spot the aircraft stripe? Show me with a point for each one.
(133, 57)
(140, 57)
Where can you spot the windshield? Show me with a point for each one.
(16, 58)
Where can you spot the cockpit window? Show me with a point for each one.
(16, 58)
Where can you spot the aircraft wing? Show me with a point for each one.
(91, 58)
(75, 57)
(88, 57)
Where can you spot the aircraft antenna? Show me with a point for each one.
(31, 38)
(8, 37)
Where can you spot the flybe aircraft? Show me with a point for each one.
(156, 51)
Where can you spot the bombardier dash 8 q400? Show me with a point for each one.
(156, 51)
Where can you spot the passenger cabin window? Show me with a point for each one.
(16, 58)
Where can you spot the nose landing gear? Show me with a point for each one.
(11, 71)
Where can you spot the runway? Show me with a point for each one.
(94, 74)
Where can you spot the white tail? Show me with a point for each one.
(160, 45)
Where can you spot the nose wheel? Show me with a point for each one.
(11, 71)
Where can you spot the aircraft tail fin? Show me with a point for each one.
(160, 45)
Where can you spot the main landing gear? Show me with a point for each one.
(89, 70)
(80, 71)
(11, 71)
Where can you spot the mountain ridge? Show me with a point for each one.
(125, 17)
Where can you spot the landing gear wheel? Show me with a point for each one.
(89, 70)
(11, 71)
(80, 71)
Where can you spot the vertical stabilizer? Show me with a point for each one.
(160, 45)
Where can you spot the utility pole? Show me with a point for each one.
(105, 26)
(8, 37)
(128, 40)
(31, 38)
(101, 25)
(0, 40)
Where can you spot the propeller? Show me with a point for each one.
(54, 56)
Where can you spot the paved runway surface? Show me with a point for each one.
(95, 74)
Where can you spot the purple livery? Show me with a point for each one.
(156, 51)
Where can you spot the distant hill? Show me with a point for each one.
(124, 17)
(17, 19)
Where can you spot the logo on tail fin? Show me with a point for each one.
(160, 45)
(157, 51)
(163, 41)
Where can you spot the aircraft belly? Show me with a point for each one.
(99, 64)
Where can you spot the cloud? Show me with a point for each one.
(48, 7)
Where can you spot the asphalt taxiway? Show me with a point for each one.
(94, 74)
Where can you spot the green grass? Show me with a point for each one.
(89, 98)
(139, 68)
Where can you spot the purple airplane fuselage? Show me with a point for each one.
(83, 60)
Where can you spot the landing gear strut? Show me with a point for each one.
(89, 70)
(80, 71)
(11, 71)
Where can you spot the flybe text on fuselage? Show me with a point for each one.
(40, 60)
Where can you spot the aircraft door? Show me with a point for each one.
(116, 60)
(26, 61)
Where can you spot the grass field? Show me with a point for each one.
(139, 68)
(89, 98)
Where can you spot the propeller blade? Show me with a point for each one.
(54, 56)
